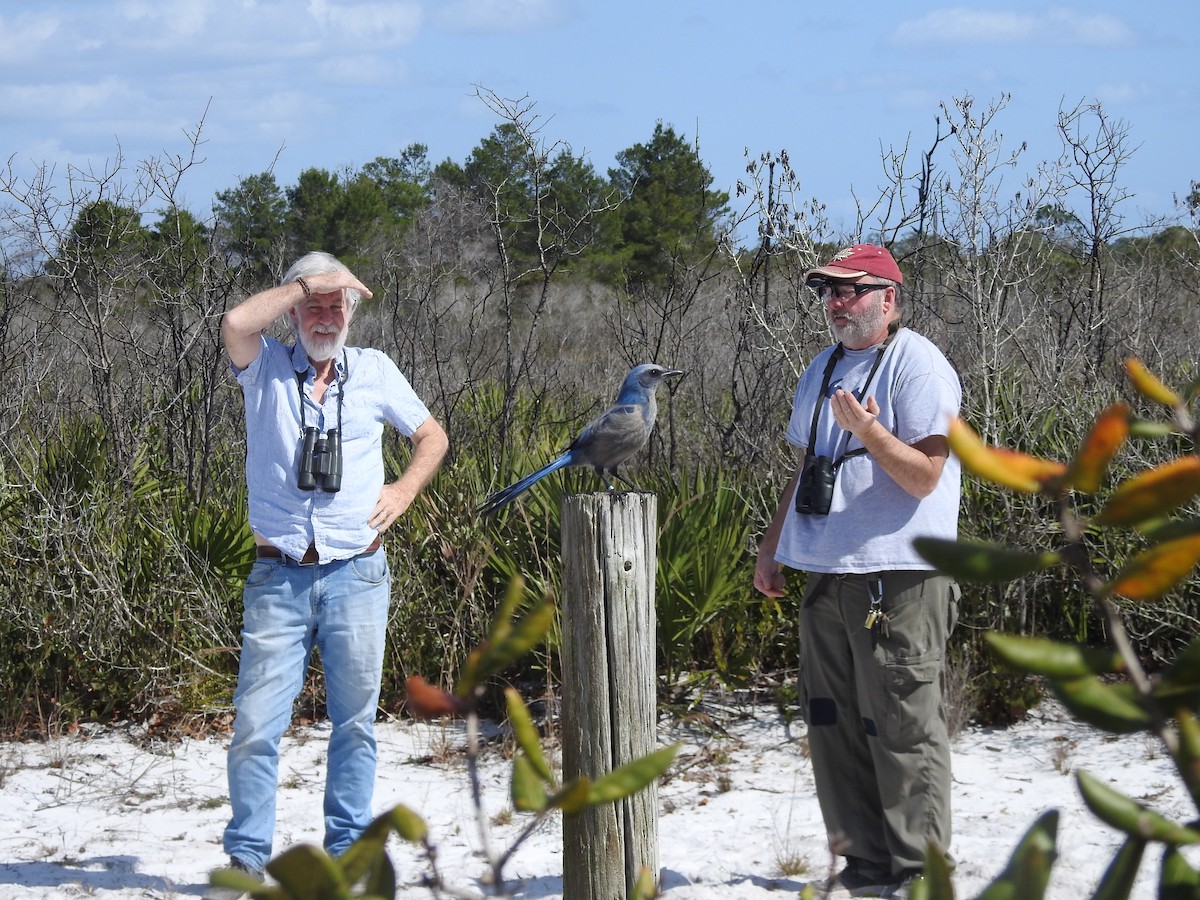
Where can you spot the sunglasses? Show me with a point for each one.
(826, 290)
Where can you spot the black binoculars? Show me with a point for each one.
(814, 491)
(320, 461)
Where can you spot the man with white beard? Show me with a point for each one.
(318, 507)
(871, 417)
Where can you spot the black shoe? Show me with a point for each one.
(860, 878)
(903, 890)
(229, 893)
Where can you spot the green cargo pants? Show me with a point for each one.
(872, 699)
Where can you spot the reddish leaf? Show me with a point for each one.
(1147, 383)
(428, 702)
(1008, 468)
(1157, 569)
(1153, 493)
(1107, 435)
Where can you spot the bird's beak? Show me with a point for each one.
(673, 373)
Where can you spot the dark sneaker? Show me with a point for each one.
(858, 879)
(231, 893)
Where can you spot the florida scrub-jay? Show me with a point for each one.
(608, 440)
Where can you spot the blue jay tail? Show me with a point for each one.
(608, 440)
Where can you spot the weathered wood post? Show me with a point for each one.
(608, 712)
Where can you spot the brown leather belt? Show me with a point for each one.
(310, 557)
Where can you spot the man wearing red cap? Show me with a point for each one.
(870, 418)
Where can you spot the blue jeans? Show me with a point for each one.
(341, 607)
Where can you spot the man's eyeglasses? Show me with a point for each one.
(843, 290)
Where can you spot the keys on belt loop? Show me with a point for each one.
(875, 615)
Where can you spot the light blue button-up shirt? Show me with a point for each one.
(374, 391)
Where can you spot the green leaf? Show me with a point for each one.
(526, 634)
(1129, 816)
(1187, 760)
(938, 882)
(978, 561)
(367, 857)
(1155, 430)
(477, 668)
(1166, 529)
(526, 735)
(703, 570)
(1185, 670)
(381, 881)
(406, 823)
(364, 854)
(1112, 707)
(243, 881)
(572, 798)
(528, 791)
(507, 643)
(1028, 870)
(1042, 656)
(307, 873)
(646, 886)
(630, 778)
(1177, 879)
(1117, 883)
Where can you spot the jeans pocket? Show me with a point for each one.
(372, 568)
(262, 571)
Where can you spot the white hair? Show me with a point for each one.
(318, 262)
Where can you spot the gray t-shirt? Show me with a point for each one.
(872, 520)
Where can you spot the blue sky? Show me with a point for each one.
(330, 83)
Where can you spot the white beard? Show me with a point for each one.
(321, 346)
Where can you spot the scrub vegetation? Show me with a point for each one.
(515, 289)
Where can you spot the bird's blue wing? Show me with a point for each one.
(613, 437)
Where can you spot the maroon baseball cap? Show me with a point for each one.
(859, 260)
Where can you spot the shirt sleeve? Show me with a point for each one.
(401, 405)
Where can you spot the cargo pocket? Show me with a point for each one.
(913, 699)
(802, 685)
(952, 610)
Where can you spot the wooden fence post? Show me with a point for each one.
(608, 705)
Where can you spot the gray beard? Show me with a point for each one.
(861, 327)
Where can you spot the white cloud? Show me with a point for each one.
(960, 25)
(36, 101)
(172, 35)
(361, 70)
(172, 18)
(1123, 92)
(25, 37)
(503, 16)
(375, 24)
